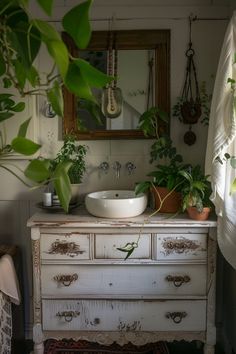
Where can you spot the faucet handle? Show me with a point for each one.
(104, 166)
(130, 167)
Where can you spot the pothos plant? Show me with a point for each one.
(165, 175)
(21, 37)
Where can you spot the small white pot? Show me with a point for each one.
(47, 199)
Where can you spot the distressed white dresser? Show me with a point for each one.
(84, 289)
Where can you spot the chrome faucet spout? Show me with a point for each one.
(117, 167)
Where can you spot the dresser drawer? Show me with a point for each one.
(117, 280)
(168, 247)
(65, 246)
(123, 315)
(105, 246)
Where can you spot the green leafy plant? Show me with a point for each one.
(20, 144)
(129, 248)
(94, 109)
(149, 123)
(196, 189)
(74, 154)
(21, 38)
(165, 175)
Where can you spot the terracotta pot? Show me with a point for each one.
(194, 214)
(191, 112)
(172, 203)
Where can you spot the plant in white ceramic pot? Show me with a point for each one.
(21, 37)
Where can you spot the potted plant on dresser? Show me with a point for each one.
(75, 154)
(196, 193)
(167, 180)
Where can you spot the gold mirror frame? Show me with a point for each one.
(157, 40)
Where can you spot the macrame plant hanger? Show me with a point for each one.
(112, 96)
(150, 84)
(190, 100)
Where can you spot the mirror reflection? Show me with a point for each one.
(134, 72)
(141, 68)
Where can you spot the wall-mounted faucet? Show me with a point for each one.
(130, 167)
(117, 167)
(104, 167)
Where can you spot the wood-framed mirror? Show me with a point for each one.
(134, 48)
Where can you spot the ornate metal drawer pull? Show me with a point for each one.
(66, 280)
(176, 316)
(68, 315)
(178, 280)
(65, 248)
(180, 246)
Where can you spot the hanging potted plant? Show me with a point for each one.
(205, 99)
(189, 106)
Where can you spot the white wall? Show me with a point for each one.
(207, 36)
(17, 203)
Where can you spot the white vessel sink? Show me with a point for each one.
(115, 203)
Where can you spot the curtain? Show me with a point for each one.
(221, 140)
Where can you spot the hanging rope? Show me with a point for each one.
(191, 107)
(112, 97)
(150, 84)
